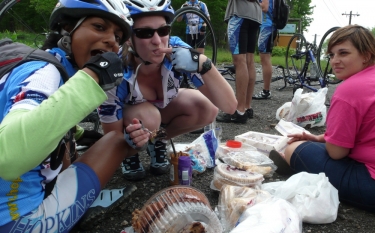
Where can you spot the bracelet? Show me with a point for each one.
(206, 66)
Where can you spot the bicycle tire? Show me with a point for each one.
(292, 68)
(210, 35)
(19, 26)
(6, 5)
(323, 61)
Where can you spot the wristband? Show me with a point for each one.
(206, 66)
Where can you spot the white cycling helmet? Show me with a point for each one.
(113, 10)
(150, 7)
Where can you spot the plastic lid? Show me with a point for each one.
(234, 144)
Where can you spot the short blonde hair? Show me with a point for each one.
(361, 38)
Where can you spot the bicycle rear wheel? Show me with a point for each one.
(209, 36)
(295, 57)
(21, 23)
(323, 58)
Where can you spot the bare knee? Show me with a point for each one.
(146, 112)
(289, 150)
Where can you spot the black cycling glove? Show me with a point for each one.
(108, 67)
(203, 28)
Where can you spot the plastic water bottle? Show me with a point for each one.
(312, 71)
(210, 126)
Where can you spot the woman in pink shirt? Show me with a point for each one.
(346, 151)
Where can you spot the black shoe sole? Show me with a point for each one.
(160, 171)
(283, 167)
(135, 176)
(261, 98)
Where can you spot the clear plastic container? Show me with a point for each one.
(176, 209)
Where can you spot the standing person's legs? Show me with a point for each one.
(265, 45)
(190, 40)
(251, 84)
(201, 42)
(242, 34)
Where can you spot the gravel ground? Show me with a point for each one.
(349, 219)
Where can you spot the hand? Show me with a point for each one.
(108, 67)
(136, 135)
(185, 59)
(302, 137)
(203, 28)
(89, 137)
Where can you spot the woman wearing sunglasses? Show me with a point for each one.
(41, 192)
(154, 62)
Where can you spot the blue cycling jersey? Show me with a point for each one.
(26, 87)
(128, 92)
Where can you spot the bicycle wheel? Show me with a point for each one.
(209, 36)
(21, 23)
(295, 57)
(323, 59)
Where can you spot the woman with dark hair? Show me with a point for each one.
(154, 62)
(41, 192)
(346, 151)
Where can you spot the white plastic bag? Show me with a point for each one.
(308, 108)
(271, 215)
(283, 111)
(314, 197)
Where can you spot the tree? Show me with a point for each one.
(301, 9)
(43, 6)
(372, 30)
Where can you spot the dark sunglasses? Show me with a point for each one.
(147, 33)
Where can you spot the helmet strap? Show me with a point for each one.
(132, 50)
(65, 43)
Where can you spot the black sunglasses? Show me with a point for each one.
(147, 33)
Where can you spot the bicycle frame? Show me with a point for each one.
(303, 81)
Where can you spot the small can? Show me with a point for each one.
(185, 170)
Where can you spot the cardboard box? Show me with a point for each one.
(263, 142)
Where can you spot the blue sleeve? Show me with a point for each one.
(176, 41)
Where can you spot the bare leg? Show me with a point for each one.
(189, 111)
(242, 80)
(265, 59)
(252, 77)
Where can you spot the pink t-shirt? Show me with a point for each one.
(351, 118)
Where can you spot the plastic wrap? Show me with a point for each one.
(247, 157)
(234, 200)
(263, 142)
(201, 151)
(271, 215)
(176, 209)
(225, 174)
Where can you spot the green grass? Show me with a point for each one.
(33, 40)
(223, 55)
